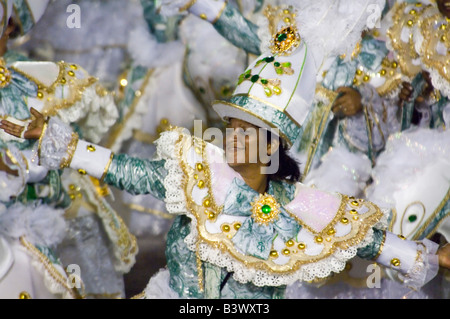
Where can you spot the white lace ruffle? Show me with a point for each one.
(166, 149)
(176, 204)
(95, 114)
(439, 82)
(425, 267)
(320, 269)
(55, 142)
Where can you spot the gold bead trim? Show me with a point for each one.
(395, 262)
(24, 295)
(71, 148)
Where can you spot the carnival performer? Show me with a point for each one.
(93, 229)
(353, 113)
(418, 34)
(246, 226)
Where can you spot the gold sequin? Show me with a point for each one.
(395, 262)
(24, 295)
(290, 243)
(201, 184)
(207, 202)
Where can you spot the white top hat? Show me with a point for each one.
(277, 89)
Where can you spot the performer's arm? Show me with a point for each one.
(416, 262)
(59, 147)
(225, 18)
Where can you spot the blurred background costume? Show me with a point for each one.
(32, 200)
(95, 237)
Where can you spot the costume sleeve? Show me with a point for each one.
(416, 262)
(137, 176)
(225, 18)
(230, 23)
(60, 147)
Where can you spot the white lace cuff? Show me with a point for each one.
(416, 262)
(61, 148)
(54, 144)
(91, 159)
(95, 113)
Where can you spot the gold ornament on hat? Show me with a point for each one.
(285, 38)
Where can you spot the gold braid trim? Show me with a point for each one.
(435, 30)
(405, 52)
(125, 240)
(65, 162)
(55, 274)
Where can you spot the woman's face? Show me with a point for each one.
(243, 142)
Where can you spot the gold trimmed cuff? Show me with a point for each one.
(91, 159)
(70, 151)
(107, 167)
(397, 253)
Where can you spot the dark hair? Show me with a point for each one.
(288, 168)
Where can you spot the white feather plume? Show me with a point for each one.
(334, 27)
(39, 223)
(146, 51)
(407, 155)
